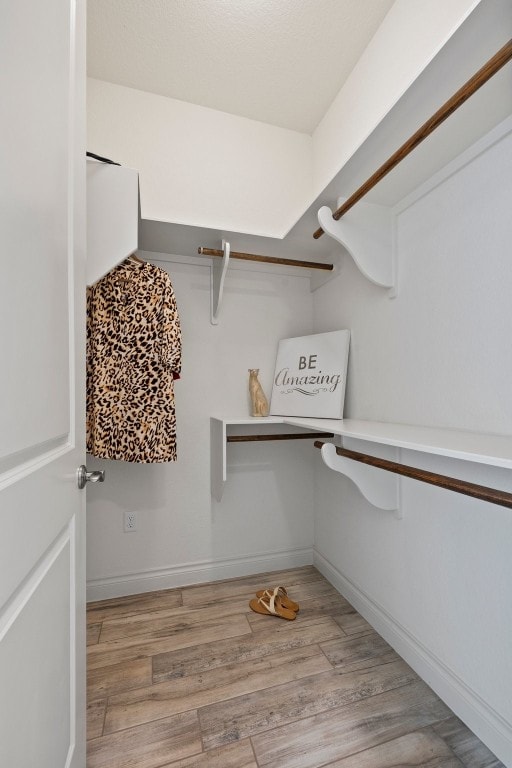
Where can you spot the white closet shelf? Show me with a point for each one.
(219, 428)
(493, 450)
(366, 230)
(112, 216)
(219, 271)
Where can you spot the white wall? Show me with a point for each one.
(265, 519)
(407, 40)
(437, 582)
(199, 166)
(203, 167)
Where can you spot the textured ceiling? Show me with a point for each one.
(278, 61)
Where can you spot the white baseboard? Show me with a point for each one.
(195, 573)
(482, 719)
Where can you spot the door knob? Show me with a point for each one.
(83, 476)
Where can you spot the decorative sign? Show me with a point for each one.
(310, 376)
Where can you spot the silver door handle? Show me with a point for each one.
(83, 476)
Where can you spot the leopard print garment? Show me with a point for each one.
(133, 356)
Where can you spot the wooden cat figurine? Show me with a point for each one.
(258, 400)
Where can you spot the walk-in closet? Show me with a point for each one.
(260, 431)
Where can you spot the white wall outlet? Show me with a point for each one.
(130, 522)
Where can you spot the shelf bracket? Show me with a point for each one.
(219, 269)
(367, 233)
(379, 487)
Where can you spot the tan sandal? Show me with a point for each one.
(271, 606)
(283, 595)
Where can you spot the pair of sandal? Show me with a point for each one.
(274, 603)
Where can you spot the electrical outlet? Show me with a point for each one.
(130, 522)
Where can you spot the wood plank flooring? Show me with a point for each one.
(192, 678)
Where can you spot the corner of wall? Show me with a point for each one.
(202, 167)
(382, 75)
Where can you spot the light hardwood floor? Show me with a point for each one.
(192, 678)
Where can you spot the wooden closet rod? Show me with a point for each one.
(442, 481)
(266, 259)
(468, 89)
(287, 436)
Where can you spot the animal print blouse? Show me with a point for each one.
(133, 357)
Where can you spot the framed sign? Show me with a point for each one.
(310, 376)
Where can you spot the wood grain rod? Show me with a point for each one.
(283, 436)
(266, 259)
(468, 89)
(481, 492)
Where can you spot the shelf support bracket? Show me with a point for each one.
(380, 488)
(219, 269)
(367, 233)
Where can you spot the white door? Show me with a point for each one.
(42, 225)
